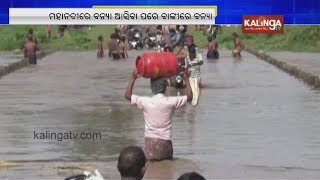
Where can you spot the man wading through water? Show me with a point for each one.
(158, 111)
(238, 45)
(30, 50)
(194, 58)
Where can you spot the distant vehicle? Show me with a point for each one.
(136, 42)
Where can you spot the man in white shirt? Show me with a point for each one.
(158, 111)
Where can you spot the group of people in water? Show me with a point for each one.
(31, 45)
(116, 45)
(157, 109)
(119, 40)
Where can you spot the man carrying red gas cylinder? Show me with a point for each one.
(158, 109)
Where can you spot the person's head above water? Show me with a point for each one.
(100, 38)
(159, 85)
(131, 163)
(167, 49)
(191, 176)
(234, 35)
(172, 31)
(113, 36)
(189, 40)
(30, 31)
(123, 38)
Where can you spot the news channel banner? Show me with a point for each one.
(154, 12)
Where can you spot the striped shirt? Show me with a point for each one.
(195, 71)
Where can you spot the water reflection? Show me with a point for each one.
(251, 118)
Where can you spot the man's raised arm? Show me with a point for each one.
(129, 89)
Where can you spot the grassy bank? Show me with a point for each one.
(295, 38)
(13, 37)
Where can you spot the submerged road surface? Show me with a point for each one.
(252, 121)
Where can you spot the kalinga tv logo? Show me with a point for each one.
(262, 24)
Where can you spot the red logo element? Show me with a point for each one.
(262, 24)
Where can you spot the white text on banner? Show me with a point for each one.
(114, 15)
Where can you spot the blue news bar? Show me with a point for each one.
(229, 11)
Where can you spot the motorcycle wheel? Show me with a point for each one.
(140, 46)
(179, 85)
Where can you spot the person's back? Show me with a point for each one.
(122, 47)
(113, 46)
(158, 111)
(100, 52)
(212, 48)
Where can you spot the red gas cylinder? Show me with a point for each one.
(157, 64)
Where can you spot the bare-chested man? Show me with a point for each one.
(31, 35)
(122, 47)
(113, 47)
(100, 52)
(212, 48)
(49, 28)
(30, 50)
(61, 29)
(238, 45)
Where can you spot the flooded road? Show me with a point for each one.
(252, 121)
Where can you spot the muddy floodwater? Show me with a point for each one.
(252, 121)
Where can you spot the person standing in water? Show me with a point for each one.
(61, 29)
(195, 61)
(113, 47)
(31, 35)
(49, 28)
(238, 45)
(30, 50)
(122, 47)
(158, 111)
(100, 52)
(212, 48)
